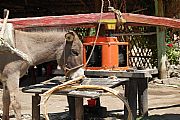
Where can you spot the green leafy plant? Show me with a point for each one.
(173, 54)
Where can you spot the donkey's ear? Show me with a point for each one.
(70, 36)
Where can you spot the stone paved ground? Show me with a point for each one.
(164, 104)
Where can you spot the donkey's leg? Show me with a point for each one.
(6, 102)
(12, 72)
(13, 87)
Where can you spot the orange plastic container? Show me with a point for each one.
(106, 56)
(110, 56)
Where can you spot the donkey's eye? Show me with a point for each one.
(74, 52)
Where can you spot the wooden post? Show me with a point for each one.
(76, 109)
(161, 41)
(143, 96)
(6, 102)
(36, 107)
(32, 75)
(131, 95)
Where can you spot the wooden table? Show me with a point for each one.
(75, 98)
(136, 86)
(136, 83)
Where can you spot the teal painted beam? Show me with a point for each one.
(161, 44)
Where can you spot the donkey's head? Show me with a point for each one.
(71, 58)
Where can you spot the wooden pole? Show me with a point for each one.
(161, 45)
(76, 109)
(131, 95)
(36, 107)
(143, 96)
(6, 14)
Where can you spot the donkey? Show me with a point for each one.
(40, 47)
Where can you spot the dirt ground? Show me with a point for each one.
(164, 103)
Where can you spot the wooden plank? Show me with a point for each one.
(152, 20)
(68, 20)
(41, 88)
(104, 81)
(123, 74)
(87, 94)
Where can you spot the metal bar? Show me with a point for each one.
(130, 34)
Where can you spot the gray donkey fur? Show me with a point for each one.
(40, 47)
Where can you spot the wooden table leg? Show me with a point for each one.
(36, 107)
(143, 96)
(76, 109)
(131, 95)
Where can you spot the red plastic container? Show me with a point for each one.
(91, 102)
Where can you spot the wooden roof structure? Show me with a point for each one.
(35, 8)
(93, 18)
(26, 13)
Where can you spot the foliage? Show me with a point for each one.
(172, 49)
(173, 54)
(81, 32)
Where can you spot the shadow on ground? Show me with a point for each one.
(111, 115)
(162, 117)
(165, 107)
(65, 116)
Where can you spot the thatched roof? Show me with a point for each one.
(36, 8)
(172, 8)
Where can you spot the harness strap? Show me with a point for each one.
(68, 70)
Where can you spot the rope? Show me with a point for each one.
(97, 34)
(109, 3)
(120, 21)
(68, 85)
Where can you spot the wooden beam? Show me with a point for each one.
(161, 44)
(133, 34)
(152, 20)
(67, 20)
